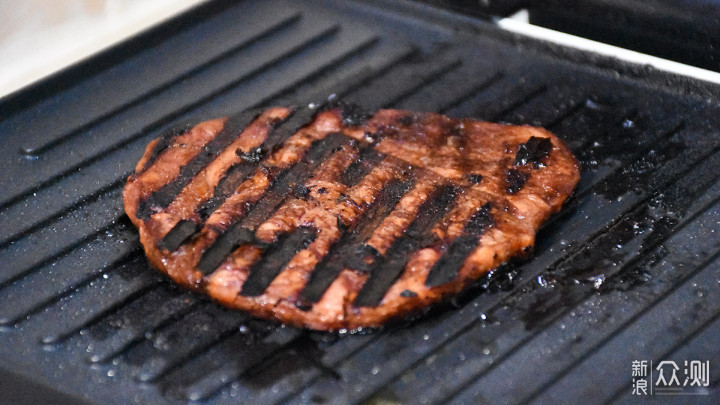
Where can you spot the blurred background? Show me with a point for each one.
(39, 37)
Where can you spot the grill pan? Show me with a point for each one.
(628, 271)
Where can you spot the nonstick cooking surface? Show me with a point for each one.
(628, 271)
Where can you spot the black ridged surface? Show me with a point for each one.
(628, 270)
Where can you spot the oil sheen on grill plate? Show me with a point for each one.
(331, 218)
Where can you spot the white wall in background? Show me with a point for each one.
(39, 37)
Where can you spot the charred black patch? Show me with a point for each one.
(387, 268)
(253, 156)
(475, 178)
(275, 258)
(447, 268)
(341, 225)
(533, 151)
(319, 151)
(335, 261)
(178, 235)
(515, 180)
(300, 191)
(480, 221)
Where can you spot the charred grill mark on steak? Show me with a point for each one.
(297, 120)
(350, 204)
(283, 182)
(335, 261)
(178, 235)
(240, 171)
(223, 246)
(165, 141)
(400, 218)
(325, 217)
(319, 151)
(368, 159)
(387, 268)
(446, 269)
(275, 258)
(234, 176)
(161, 198)
(254, 156)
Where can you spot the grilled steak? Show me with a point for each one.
(331, 219)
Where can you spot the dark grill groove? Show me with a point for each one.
(174, 72)
(508, 105)
(85, 232)
(50, 286)
(114, 295)
(401, 82)
(24, 225)
(186, 338)
(206, 386)
(40, 148)
(138, 140)
(478, 88)
(154, 310)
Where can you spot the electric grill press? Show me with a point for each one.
(629, 271)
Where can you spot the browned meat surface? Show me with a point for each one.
(331, 222)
